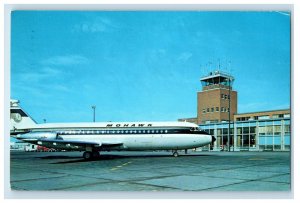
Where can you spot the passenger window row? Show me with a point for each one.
(89, 132)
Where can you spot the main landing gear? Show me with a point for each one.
(88, 155)
(175, 154)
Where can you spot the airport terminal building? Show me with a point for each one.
(254, 131)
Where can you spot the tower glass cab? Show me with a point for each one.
(217, 79)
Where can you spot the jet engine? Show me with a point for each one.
(37, 135)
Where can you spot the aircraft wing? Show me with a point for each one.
(75, 145)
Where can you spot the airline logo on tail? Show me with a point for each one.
(18, 118)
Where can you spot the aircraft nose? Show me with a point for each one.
(213, 139)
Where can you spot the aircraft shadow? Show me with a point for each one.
(77, 159)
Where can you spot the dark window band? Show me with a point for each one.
(129, 131)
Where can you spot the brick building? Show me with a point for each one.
(264, 130)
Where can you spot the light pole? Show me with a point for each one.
(94, 113)
(230, 81)
(228, 137)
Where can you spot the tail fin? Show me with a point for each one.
(19, 120)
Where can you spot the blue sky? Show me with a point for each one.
(145, 66)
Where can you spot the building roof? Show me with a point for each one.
(218, 73)
(260, 112)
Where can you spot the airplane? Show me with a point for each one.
(94, 137)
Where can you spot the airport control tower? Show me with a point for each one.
(216, 99)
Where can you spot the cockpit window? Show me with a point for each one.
(195, 129)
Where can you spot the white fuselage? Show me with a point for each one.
(147, 141)
(131, 136)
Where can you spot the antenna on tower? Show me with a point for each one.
(206, 67)
(202, 69)
(209, 65)
(229, 67)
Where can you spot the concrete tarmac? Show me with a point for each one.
(151, 171)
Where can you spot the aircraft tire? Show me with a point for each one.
(175, 154)
(87, 155)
